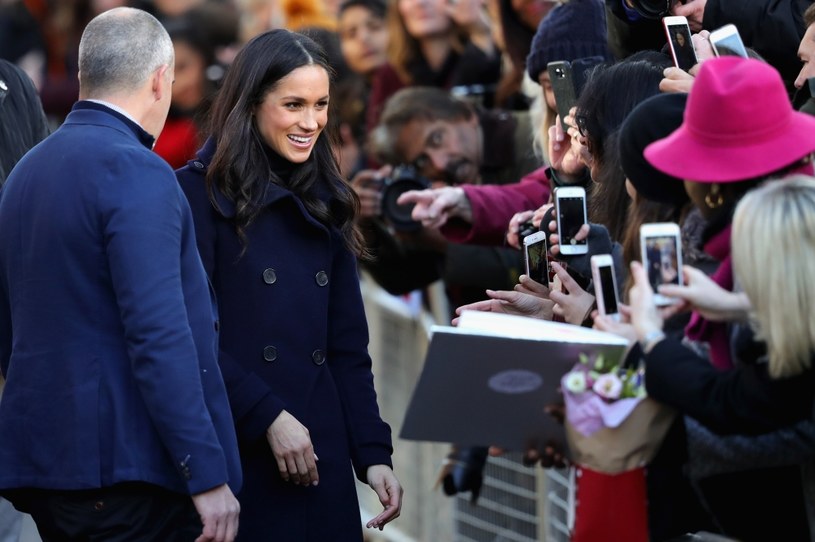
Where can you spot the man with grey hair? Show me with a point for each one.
(114, 412)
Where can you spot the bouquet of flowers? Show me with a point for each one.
(613, 430)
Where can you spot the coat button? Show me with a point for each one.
(318, 357)
(198, 165)
(321, 278)
(270, 353)
(269, 276)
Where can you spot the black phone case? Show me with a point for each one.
(560, 73)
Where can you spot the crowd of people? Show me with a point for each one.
(190, 190)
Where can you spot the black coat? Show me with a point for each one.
(293, 336)
(744, 400)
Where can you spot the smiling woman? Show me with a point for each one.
(293, 114)
(275, 229)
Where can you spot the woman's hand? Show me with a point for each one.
(576, 304)
(621, 326)
(292, 448)
(506, 302)
(644, 315)
(527, 285)
(702, 46)
(562, 156)
(554, 240)
(701, 294)
(389, 490)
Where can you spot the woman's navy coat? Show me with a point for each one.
(293, 336)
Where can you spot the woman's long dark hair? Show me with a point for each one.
(609, 96)
(241, 168)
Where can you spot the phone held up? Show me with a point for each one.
(570, 213)
(679, 42)
(661, 248)
(726, 41)
(537, 263)
(605, 285)
(560, 74)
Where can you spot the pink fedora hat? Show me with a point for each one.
(738, 124)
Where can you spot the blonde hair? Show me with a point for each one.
(773, 257)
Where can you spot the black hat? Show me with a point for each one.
(573, 30)
(651, 120)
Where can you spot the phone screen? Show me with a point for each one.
(571, 216)
(537, 263)
(607, 289)
(662, 263)
(682, 46)
(731, 46)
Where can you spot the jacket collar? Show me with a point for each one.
(225, 206)
(87, 112)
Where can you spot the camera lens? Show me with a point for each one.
(404, 178)
(652, 9)
(527, 228)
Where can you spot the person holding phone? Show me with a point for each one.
(773, 387)
(275, 228)
(718, 177)
(771, 28)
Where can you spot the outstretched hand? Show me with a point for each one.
(511, 302)
(702, 294)
(435, 206)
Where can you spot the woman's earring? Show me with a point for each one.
(714, 199)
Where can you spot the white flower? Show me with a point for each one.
(576, 382)
(608, 386)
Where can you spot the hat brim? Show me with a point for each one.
(683, 156)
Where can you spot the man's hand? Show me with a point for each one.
(219, 510)
(292, 448)
(435, 206)
(387, 488)
(368, 186)
(694, 10)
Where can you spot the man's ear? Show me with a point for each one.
(160, 82)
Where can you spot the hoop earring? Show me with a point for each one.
(714, 193)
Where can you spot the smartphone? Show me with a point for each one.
(661, 248)
(560, 74)
(537, 264)
(679, 42)
(570, 214)
(726, 41)
(605, 285)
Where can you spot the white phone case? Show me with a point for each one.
(661, 249)
(572, 248)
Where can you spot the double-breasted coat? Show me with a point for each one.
(293, 336)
